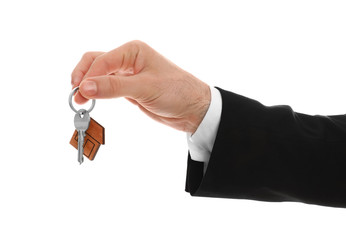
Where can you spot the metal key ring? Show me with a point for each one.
(71, 105)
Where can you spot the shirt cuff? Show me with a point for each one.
(202, 141)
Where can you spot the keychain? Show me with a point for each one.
(89, 134)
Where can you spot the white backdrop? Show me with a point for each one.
(278, 52)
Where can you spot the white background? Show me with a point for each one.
(278, 52)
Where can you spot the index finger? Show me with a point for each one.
(82, 67)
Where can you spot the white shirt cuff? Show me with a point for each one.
(202, 141)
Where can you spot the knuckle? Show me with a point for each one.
(86, 55)
(137, 44)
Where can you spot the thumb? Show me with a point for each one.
(110, 86)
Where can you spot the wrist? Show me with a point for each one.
(200, 108)
(202, 141)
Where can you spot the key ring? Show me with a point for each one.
(71, 105)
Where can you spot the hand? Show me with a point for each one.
(137, 72)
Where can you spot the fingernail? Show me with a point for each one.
(89, 88)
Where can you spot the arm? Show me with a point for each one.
(263, 153)
(273, 154)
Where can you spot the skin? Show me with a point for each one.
(162, 90)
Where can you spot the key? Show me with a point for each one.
(89, 134)
(81, 123)
(94, 138)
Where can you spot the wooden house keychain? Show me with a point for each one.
(89, 134)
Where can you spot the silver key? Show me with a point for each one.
(81, 123)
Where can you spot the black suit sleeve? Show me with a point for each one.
(273, 154)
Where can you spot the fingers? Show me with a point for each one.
(123, 59)
(82, 67)
(111, 86)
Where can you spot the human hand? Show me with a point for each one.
(162, 90)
